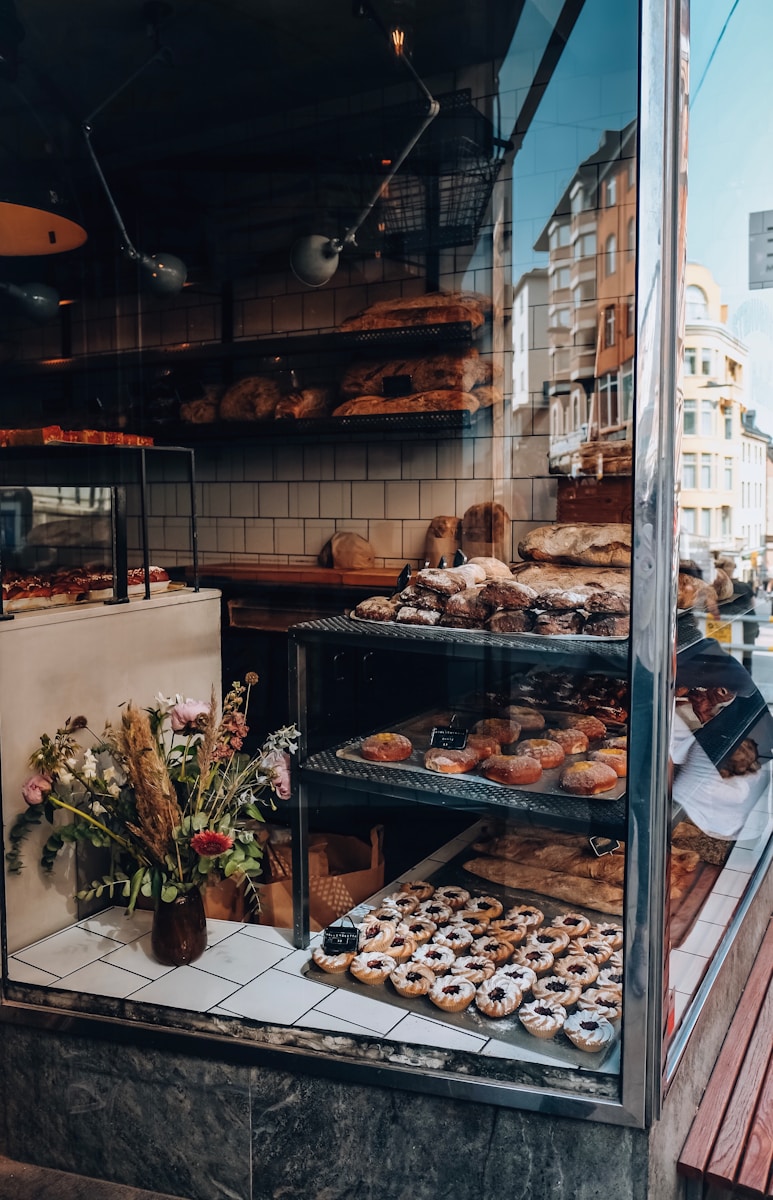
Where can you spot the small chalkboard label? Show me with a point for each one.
(460, 558)
(442, 564)
(394, 386)
(444, 737)
(340, 939)
(603, 845)
(403, 579)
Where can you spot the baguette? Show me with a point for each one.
(590, 893)
(438, 400)
(571, 860)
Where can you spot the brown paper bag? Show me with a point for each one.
(443, 540)
(356, 872)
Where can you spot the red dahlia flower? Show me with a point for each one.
(209, 843)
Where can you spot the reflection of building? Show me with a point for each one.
(531, 363)
(591, 242)
(723, 496)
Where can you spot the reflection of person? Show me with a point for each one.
(741, 604)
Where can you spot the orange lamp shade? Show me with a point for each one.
(26, 230)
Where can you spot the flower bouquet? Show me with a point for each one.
(168, 791)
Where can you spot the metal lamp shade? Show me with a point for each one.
(163, 274)
(35, 300)
(314, 259)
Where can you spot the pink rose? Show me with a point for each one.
(186, 716)
(277, 763)
(36, 789)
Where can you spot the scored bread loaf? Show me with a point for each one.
(308, 402)
(462, 372)
(543, 576)
(430, 309)
(439, 400)
(590, 893)
(250, 399)
(583, 544)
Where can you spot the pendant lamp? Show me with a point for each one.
(35, 300)
(33, 221)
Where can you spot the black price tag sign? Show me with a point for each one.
(403, 579)
(460, 558)
(444, 737)
(340, 939)
(394, 386)
(602, 845)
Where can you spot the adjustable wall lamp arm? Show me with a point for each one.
(128, 247)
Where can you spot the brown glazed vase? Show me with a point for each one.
(179, 933)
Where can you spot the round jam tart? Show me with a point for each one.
(498, 996)
(453, 993)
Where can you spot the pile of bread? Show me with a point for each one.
(557, 589)
(459, 380)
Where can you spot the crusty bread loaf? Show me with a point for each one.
(582, 544)
(571, 860)
(590, 893)
(484, 522)
(469, 604)
(308, 402)
(441, 400)
(442, 527)
(488, 394)
(462, 371)
(696, 593)
(494, 567)
(542, 576)
(250, 399)
(431, 309)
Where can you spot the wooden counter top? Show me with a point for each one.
(374, 577)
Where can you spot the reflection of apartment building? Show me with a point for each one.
(531, 361)
(591, 242)
(724, 454)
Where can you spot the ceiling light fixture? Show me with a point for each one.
(314, 259)
(35, 300)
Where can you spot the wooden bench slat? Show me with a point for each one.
(698, 1147)
(755, 1170)
(730, 1142)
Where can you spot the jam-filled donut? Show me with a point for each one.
(334, 964)
(605, 1002)
(528, 718)
(611, 934)
(484, 745)
(438, 958)
(616, 759)
(575, 924)
(555, 987)
(498, 997)
(497, 949)
(452, 993)
(505, 732)
(376, 934)
(508, 930)
(588, 1031)
(451, 762)
(387, 913)
(588, 778)
(594, 947)
(550, 938)
(474, 967)
(455, 897)
(571, 741)
(514, 770)
(542, 1018)
(432, 910)
(386, 747)
(457, 937)
(540, 961)
(421, 929)
(523, 976)
(412, 979)
(372, 968)
(527, 914)
(592, 727)
(486, 906)
(416, 887)
(548, 753)
(577, 967)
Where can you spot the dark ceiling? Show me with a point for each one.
(212, 119)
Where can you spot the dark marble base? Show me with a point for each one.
(20, 1181)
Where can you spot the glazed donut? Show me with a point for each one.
(386, 747)
(555, 987)
(508, 930)
(412, 979)
(614, 758)
(433, 911)
(420, 929)
(588, 778)
(571, 741)
(577, 967)
(575, 924)
(542, 1018)
(594, 947)
(403, 946)
(376, 935)
(451, 762)
(605, 1002)
(523, 976)
(490, 947)
(498, 997)
(483, 744)
(589, 1032)
(474, 967)
(540, 961)
(592, 727)
(452, 993)
(610, 979)
(611, 934)
(514, 770)
(548, 753)
(486, 906)
(416, 887)
(528, 718)
(457, 937)
(437, 958)
(372, 968)
(455, 898)
(404, 902)
(335, 964)
(475, 922)
(549, 938)
(505, 732)
(526, 914)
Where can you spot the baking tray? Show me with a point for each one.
(509, 1030)
(417, 730)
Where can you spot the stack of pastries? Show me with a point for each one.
(560, 977)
